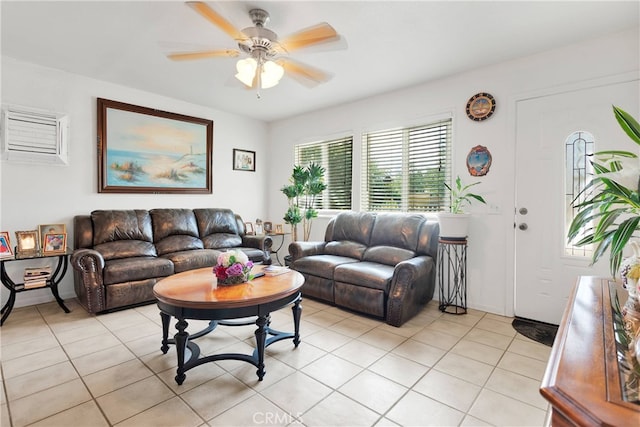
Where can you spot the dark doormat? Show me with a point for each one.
(543, 333)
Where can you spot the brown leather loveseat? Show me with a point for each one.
(382, 264)
(120, 254)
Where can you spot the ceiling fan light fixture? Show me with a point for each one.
(270, 76)
(246, 70)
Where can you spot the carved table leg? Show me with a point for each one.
(181, 346)
(297, 313)
(261, 337)
(166, 319)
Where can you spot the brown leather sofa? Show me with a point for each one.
(120, 254)
(383, 265)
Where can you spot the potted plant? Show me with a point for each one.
(306, 183)
(609, 206)
(455, 223)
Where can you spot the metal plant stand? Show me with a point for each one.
(452, 275)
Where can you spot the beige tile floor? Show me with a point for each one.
(438, 369)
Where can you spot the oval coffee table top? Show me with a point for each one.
(195, 289)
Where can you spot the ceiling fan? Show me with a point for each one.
(266, 60)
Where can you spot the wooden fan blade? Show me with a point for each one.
(321, 33)
(186, 56)
(216, 19)
(303, 73)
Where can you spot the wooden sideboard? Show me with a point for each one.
(582, 381)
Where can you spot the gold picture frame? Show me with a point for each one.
(44, 229)
(279, 229)
(54, 243)
(28, 242)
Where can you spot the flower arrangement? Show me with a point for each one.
(233, 267)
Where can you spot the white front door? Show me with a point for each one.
(544, 272)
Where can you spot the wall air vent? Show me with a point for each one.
(34, 136)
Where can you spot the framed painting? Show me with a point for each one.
(142, 150)
(244, 160)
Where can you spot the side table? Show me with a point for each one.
(281, 235)
(52, 283)
(452, 275)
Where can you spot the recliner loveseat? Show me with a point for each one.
(119, 255)
(383, 264)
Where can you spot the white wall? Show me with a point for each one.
(490, 254)
(38, 194)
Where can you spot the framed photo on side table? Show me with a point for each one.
(249, 228)
(244, 160)
(5, 245)
(54, 243)
(44, 229)
(268, 227)
(279, 229)
(28, 242)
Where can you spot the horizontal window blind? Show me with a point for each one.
(336, 157)
(405, 169)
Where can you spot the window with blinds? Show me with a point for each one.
(405, 169)
(335, 157)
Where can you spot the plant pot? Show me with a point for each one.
(454, 226)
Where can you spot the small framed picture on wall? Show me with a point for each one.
(244, 160)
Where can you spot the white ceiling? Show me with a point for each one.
(390, 44)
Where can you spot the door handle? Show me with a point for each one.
(523, 226)
(523, 211)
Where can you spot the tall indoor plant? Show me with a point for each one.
(609, 206)
(306, 183)
(455, 222)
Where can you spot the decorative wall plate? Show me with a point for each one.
(481, 106)
(479, 161)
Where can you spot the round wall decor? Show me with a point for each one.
(481, 106)
(479, 161)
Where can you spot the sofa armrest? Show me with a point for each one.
(89, 265)
(412, 285)
(264, 243)
(301, 249)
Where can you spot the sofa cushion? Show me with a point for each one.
(221, 240)
(192, 259)
(170, 222)
(175, 230)
(126, 249)
(214, 221)
(397, 229)
(138, 268)
(321, 265)
(345, 248)
(389, 255)
(178, 243)
(367, 274)
(351, 226)
(131, 227)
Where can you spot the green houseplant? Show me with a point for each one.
(455, 222)
(306, 183)
(609, 206)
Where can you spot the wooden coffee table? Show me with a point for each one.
(191, 295)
